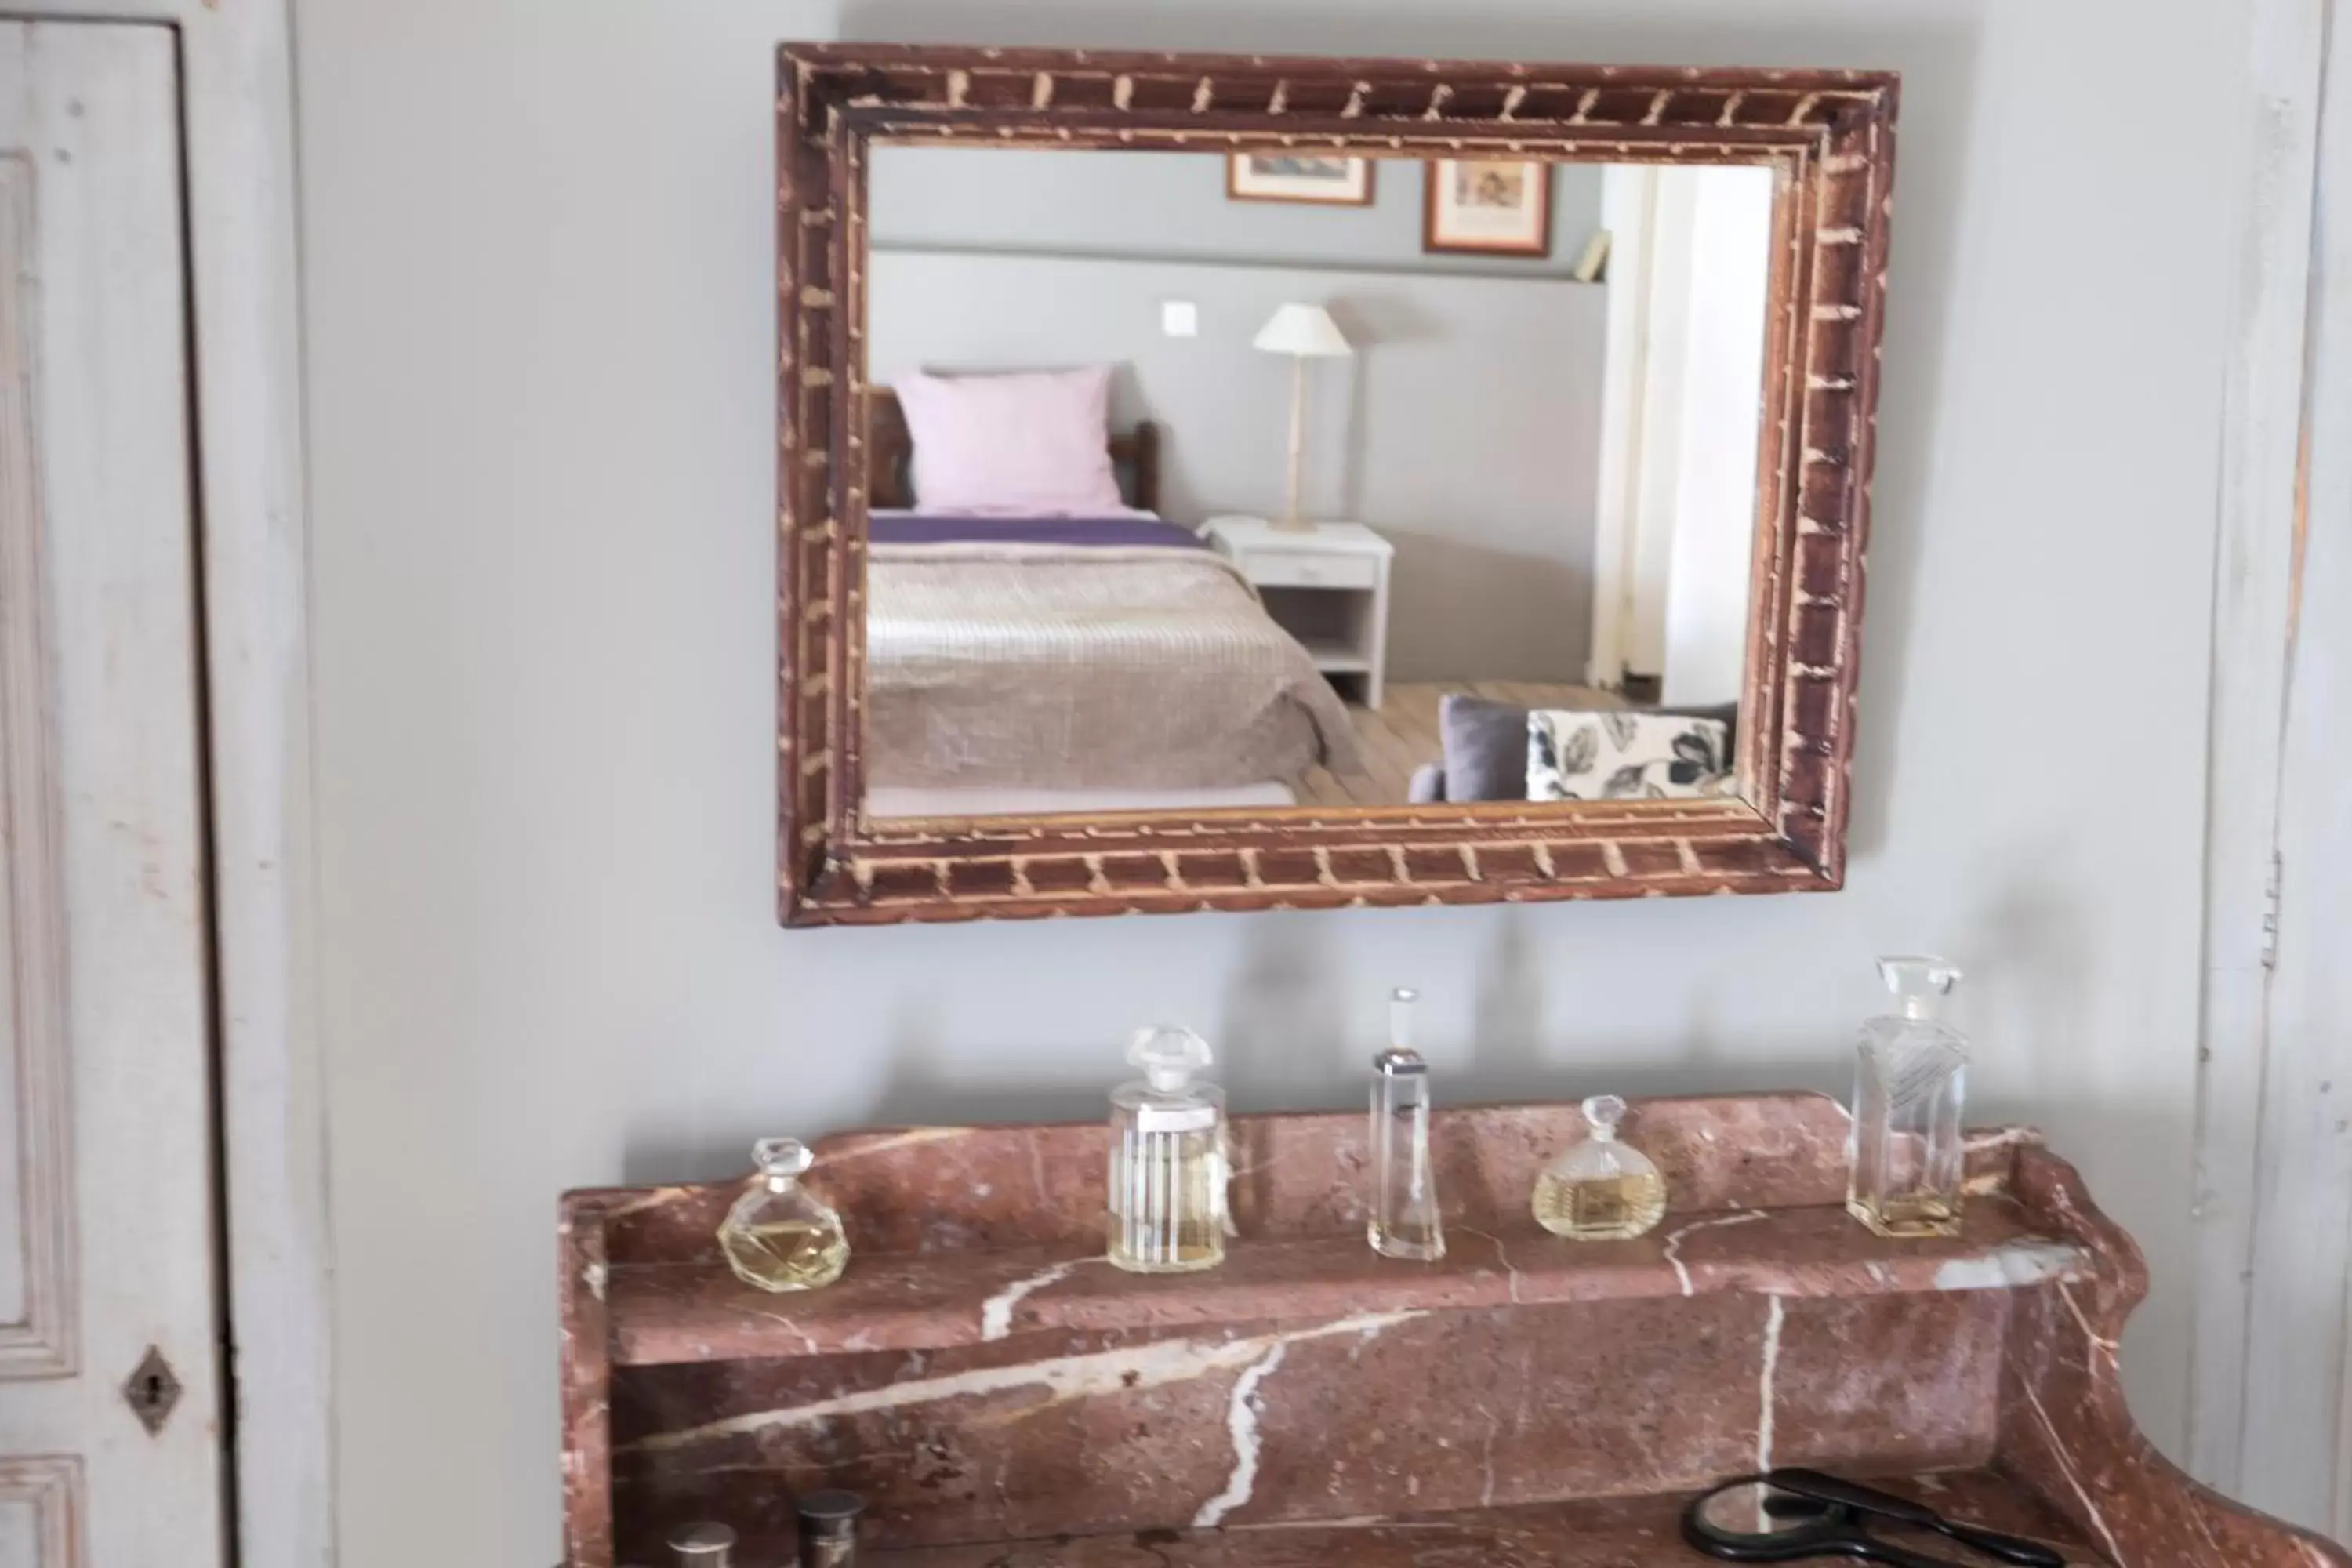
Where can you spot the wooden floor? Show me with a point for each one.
(1401, 734)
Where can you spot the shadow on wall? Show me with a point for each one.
(1460, 611)
(1517, 1037)
(1277, 1032)
(1292, 1035)
(1368, 320)
(2031, 954)
(1938, 60)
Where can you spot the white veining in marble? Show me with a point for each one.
(1674, 1239)
(808, 1340)
(2205, 1532)
(884, 1145)
(1510, 1272)
(1061, 1379)
(2098, 1341)
(2021, 1263)
(1776, 1314)
(1370, 1522)
(997, 1312)
(1241, 1425)
(653, 1198)
(2067, 1469)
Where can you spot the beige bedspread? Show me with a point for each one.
(1085, 668)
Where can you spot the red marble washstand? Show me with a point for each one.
(1003, 1398)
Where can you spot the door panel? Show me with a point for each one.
(40, 1512)
(106, 1209)
(36, 1306)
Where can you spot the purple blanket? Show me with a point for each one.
(924, 528)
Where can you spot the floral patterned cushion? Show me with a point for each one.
(1580, 755)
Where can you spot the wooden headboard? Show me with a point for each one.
(890, 451)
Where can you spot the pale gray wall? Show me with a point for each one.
(1174, 204)
(1466, 427)
(539, 300)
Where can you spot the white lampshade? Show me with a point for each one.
(1305, 330)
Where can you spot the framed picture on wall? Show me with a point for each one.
(1299, 177)
(1487, 206)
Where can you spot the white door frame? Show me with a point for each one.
(2271, 1404)
(1629, 197)
(237, 106)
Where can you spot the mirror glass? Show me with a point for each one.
(1199, 480)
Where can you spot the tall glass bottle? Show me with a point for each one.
(1168, 1169)
(780, 1236)
(1403, 1221)
(1909, 1092)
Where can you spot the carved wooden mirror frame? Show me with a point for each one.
(1829, 137)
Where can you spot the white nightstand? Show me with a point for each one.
(1326, 585)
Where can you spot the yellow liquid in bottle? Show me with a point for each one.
(1600, 1208)
(1908, 1215)
(785, 1255)
(1167, 1202)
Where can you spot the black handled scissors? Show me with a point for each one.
(1788, 1515)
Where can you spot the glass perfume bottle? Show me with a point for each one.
(777, 1236)
(1910, 1083)
(1168, 1167)
(1601, 1189)
(1403, 1220)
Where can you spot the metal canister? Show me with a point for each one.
(828, 1526)
(703, 1546)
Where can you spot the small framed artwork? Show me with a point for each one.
(1299, 177)
(1488, 205)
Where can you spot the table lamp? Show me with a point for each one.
(1304, 332)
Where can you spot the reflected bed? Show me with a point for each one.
(1081, 655)
(1021, 663)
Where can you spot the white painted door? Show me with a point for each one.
(1685, 365)
(111, 1453)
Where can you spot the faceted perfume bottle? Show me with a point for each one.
(1168, 1167)
(1601, 1189)
(1403, 1220)
(777, 1236)
(1910, 1089)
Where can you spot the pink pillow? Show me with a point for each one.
(1036, 442)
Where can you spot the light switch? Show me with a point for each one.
(1179, 318)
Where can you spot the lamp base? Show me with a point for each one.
(1291, 524)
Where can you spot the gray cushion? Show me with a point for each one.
(1486, 746)
(1485, 743)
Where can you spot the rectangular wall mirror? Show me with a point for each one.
(1213, 483)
